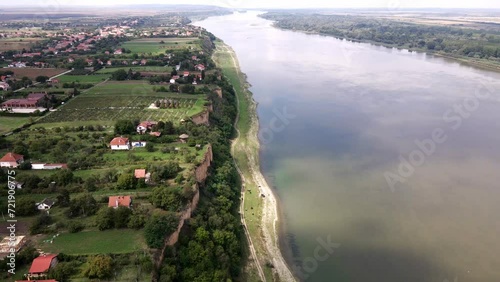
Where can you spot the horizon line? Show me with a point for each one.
(3, 6)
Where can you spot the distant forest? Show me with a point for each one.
(447, 40)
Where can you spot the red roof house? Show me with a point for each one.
(140, 173)
(119, 201)
(120, 143)
(11, 160)
(32, 101)
(41, 265)
(145, 126)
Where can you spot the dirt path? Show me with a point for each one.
(269, 229)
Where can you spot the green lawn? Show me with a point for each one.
(137, 68)
(9, 123)
(93, 78)
(95, 242)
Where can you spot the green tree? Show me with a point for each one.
(26, 207)
(158, 228)
(41, 79)
(139, 217)
(100, 266)
(169, 199)
(63, 199)
(126, 181)
(84, 205)
(105, 218)
(121, 217)
(120, 74)
(63, 271)
(38, 225)
(125, 127)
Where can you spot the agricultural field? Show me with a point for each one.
(166, 69)
(156, 46)
(110, 108)
(93, 78)
(17, 44)
(32, 73)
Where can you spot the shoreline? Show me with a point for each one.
(470, 62)
(264, 229)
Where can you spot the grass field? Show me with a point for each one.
(94, 79)
(9, 123)
(17, 43)
(137, 68)
(160, 45)
(32, 73)
(117, 241)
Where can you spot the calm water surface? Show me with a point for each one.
(355, 112)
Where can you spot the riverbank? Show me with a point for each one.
(259, 206)
(467, 61)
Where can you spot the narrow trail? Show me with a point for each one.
(234, 142)
(270, 215)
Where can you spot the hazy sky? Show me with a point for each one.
(390, 4)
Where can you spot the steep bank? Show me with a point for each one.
(259, 211)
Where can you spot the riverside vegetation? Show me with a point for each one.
(479, 45)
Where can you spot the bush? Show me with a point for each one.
(40, 223)
(75, 227)
(100, 267)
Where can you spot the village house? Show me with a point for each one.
(144, 126)
(120, 143)
(119, 201)
(11, 160)
(4, 86)
(118, 52)
(44, 205)
(48, 166)
(41, 265)
(200, 67)
(186, 73)
(183, 138)
(33, 101)
(16, 184)
(140, 173)
(6, 244)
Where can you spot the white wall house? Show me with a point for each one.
(120, 143)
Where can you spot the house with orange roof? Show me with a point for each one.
(120, 143)
(140, 173)
(119, 201)
(11, 160)
(41, 266)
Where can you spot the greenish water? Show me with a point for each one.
(393, 157)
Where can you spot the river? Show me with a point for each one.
(389, 158)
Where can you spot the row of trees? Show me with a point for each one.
(451, 40)
(210, 249)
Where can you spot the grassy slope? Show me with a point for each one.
(245, 144)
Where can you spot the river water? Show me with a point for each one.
(386, 162)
